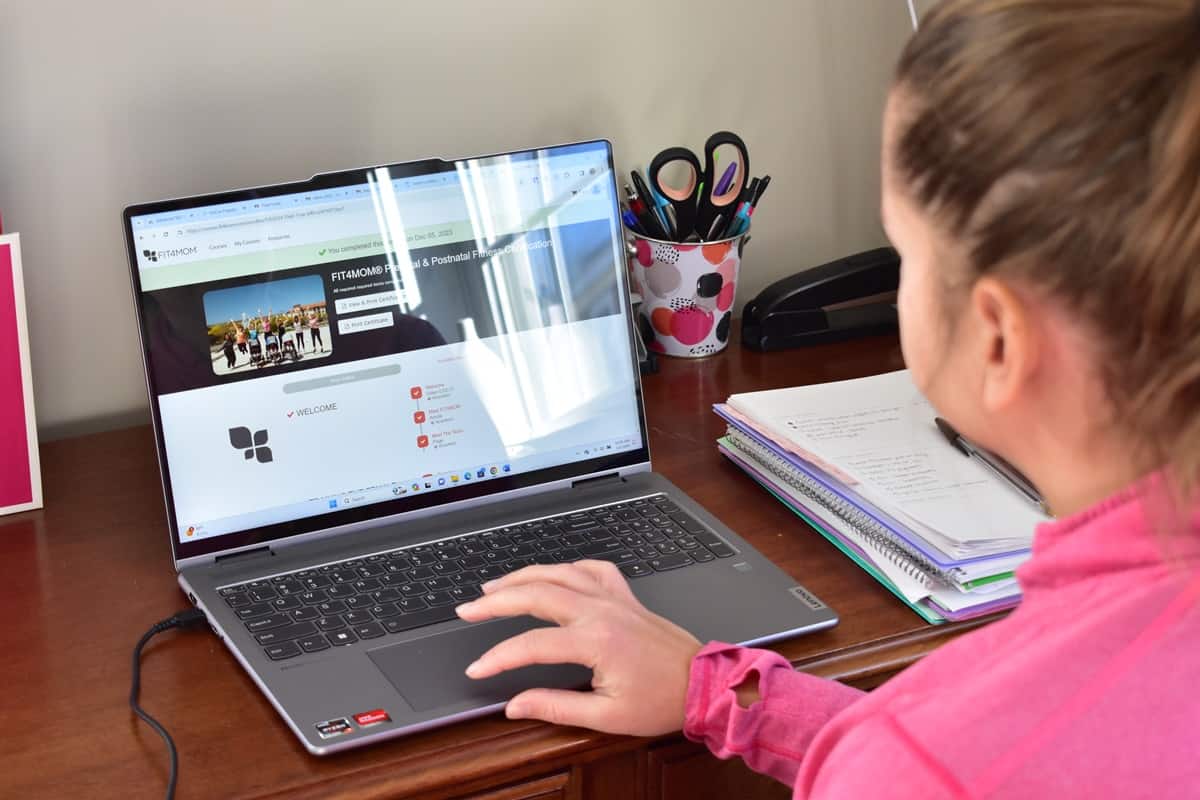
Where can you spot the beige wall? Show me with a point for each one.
(104, 104)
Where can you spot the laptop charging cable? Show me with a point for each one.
(184, 619)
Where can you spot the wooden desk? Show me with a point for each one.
(81, 580)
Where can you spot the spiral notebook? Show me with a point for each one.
(933, 597)
(942, 538)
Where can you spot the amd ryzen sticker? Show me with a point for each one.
(334, 727)
(368, 718)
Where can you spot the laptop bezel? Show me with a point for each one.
(350, 520)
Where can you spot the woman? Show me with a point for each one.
(314, 330)
(1041, 181)
(241, 340)
(298, 327)
(228, 349)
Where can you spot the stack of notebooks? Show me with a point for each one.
(863, 463)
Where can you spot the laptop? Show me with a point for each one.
(376, 389)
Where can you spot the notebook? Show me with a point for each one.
(862, 462)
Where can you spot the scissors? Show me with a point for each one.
(696, 203)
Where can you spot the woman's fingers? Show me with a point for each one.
(547, 601)
(538, 646)
(569, 576)
(561, 707)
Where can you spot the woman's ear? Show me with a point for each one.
(1010, 342)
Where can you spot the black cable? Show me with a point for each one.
(184, 619)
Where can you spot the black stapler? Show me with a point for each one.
(853, 296)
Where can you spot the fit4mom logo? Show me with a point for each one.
(254, 446)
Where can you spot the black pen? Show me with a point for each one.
(760, 189)
(1001, 468)
(716, 226)
(644, 191)
(644, 215)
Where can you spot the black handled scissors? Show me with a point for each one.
(697, 203)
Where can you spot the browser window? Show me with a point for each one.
(322, 350)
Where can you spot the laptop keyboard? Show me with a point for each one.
(369, 597)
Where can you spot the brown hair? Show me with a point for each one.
(1061, 140)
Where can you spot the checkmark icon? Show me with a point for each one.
(322, 252)
(290, 413)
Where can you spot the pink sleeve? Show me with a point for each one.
(773, 733)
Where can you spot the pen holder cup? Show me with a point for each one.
(687, 292)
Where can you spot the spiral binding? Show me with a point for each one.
(879, 538)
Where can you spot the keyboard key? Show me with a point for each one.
(464, 578)
(667, 547)
(372, 570)
(437, 598)
(599, 548)
(701, 555)
(358, 617)
(443, 568)
(462, 594)
(581, 525)
(423, 560)
(473, 548)
(471, 562)
(286, 603)
(385, 595)
(341, 591)
(331, 607)
(449, 553)
(263, 594)
(721, 550)
(687, 543)
(256, 610)
(366, 585)
(263, 584)
(412, 589)
(491, 572)
(311, 598)
(344, 576)
(240, 600)
(228, 590)
(268, 623)
(420, 573)
(568, 555)
(574, 540)
(410, 604)
(306, 613)
(286, 633)
(672, 561)
(384, 610)
(372, 630)
(636, 570)
(339, 638)
(330, 623)
(420, 619)
(278, 652)
(375, 559)
(654, 537)
(313, 644)
(289, 587)
(439, 584)
(619, 557)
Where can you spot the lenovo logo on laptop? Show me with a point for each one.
(253, 446)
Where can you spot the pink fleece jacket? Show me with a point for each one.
(1091, 688)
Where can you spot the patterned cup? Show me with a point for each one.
(687, 293)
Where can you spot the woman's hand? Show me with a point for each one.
(639, 661)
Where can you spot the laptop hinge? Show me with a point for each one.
(245, 555)
(599, 480)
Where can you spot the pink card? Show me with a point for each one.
(20, 474)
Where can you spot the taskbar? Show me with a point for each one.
(419, 484)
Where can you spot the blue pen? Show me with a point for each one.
(631, 221)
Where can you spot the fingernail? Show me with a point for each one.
(514, 710)
(472, 669)
(487, 587)
(464, 607)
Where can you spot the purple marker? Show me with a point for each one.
(726, 179)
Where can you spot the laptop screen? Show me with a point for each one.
(386, 340)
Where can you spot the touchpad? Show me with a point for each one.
(429, 672)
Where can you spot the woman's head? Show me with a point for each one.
(1042, 184)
